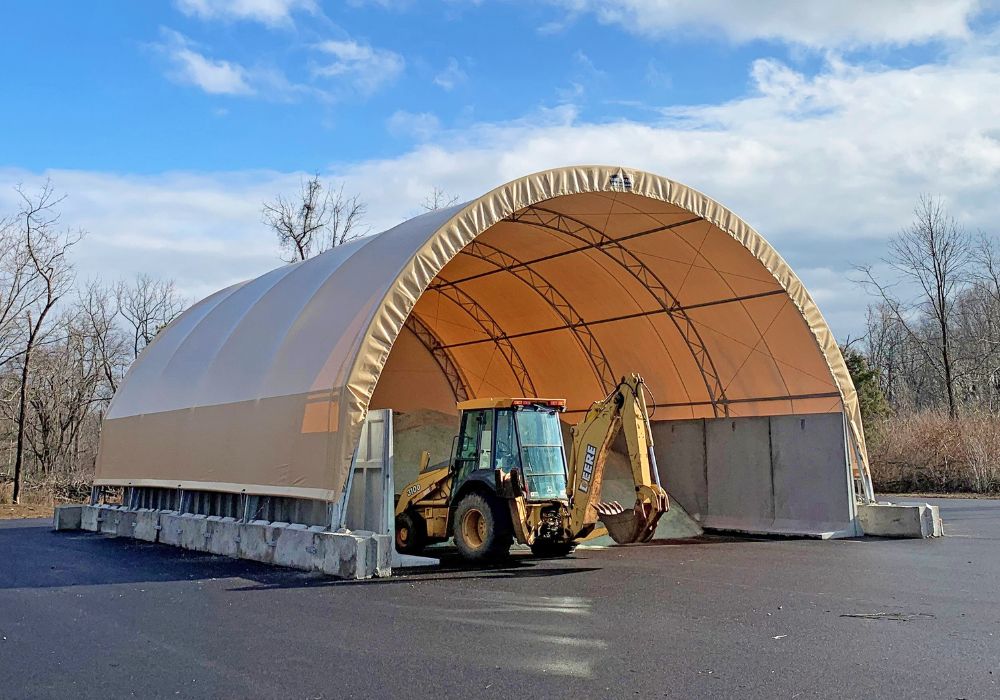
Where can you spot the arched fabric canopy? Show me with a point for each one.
(552, 285)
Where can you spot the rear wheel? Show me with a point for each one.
(411, 533)
(550, 549)
(483, 531)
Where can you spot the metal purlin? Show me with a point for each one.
(555, 299)
(459, 385)
(600, 241)
(494, 332)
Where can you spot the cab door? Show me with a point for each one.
(475, 444)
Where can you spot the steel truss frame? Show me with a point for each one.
(493, 332)
(572, 319)
(595, 239)
(452, 372)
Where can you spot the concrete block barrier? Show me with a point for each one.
(897, 520)
(256, 543)
(88, 518)
(147, 525)
(107, 520)
(171, 527)
(222, 536)
(343, 555)
(67, 518)
(350, 555)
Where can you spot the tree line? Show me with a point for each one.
(932, 333)
(64, 346)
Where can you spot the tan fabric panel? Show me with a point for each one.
(653, 347)
(411, 379)
(266, 384)
(267, 445)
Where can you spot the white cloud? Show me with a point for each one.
(190, 67)
(420, 125)
(825, 167)
(203, 230)
(813, 23)
(272, 13)
(384, 4)
(451, 76)
(366, 68)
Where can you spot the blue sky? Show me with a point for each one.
(102, 91)
(168, 123)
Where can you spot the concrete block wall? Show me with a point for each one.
(351, 555)
(771, 475)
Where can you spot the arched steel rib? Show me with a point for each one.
(600, 241)
(555, 299)
(493, 331)
(452, 372)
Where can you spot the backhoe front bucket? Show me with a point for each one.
(628, 526)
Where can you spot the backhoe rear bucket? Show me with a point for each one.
(628, 526)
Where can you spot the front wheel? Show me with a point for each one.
(411, 533)
(483, 531)
(551, 549)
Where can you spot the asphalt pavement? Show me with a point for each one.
(84, 615)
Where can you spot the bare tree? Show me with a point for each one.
(932, 256)
(317, 220)
(97, 313)
(50, 275)
(147, 305)
(438, 199)
(62, 359)
(17, 288)
(65, 384)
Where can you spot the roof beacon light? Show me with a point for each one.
(551, 403)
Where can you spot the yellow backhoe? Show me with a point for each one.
(508, 479)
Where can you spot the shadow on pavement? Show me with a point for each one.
(43, 558)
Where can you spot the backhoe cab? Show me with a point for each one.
(509, 479)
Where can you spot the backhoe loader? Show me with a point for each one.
(508, 479)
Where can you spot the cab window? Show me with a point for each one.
(507, 455)
(475, 443)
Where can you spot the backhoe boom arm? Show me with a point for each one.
(623, 409)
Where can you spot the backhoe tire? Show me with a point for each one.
(549, 549)
(411, 533)
(483, 531)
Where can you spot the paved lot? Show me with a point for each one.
(82, 615)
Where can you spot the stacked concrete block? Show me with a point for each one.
(171, 528)
(383, 558)
(147, 525)
(257, 541)
(353, 555)
(296, 546)
(68, 518)
(107, 521)
(898, 520)
(88, 518)
(222, 536)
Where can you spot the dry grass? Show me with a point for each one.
(930, 452)
(36, 501)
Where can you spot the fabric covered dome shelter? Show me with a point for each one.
(554, 284)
